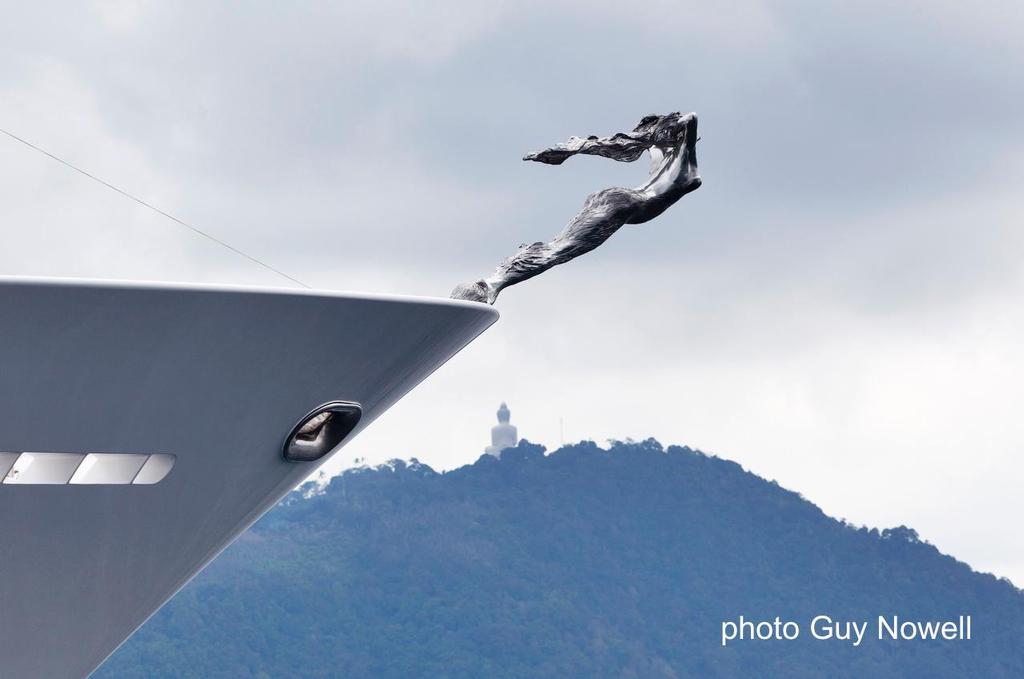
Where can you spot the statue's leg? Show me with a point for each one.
(602, 215)
(527, 262)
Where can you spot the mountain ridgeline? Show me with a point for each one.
(582, 563)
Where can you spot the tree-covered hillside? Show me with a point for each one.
(583, 563)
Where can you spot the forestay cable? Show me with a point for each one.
(153, 208)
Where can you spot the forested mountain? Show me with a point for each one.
(582, 563)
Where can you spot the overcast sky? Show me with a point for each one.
(837, 308)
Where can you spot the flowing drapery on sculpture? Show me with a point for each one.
(671, 142)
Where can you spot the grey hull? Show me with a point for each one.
(217, 377)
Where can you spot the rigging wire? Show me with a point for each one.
(154, 208)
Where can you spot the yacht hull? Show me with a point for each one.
(217, 378)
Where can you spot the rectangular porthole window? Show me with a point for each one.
(43, 468)
(109, 468)
(7, 461)
(155, 469)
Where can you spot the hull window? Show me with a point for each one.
(58, 469)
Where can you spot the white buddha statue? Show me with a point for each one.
(503, 434)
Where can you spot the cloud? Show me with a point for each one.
(835, 308)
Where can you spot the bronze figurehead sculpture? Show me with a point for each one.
(671, 142)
